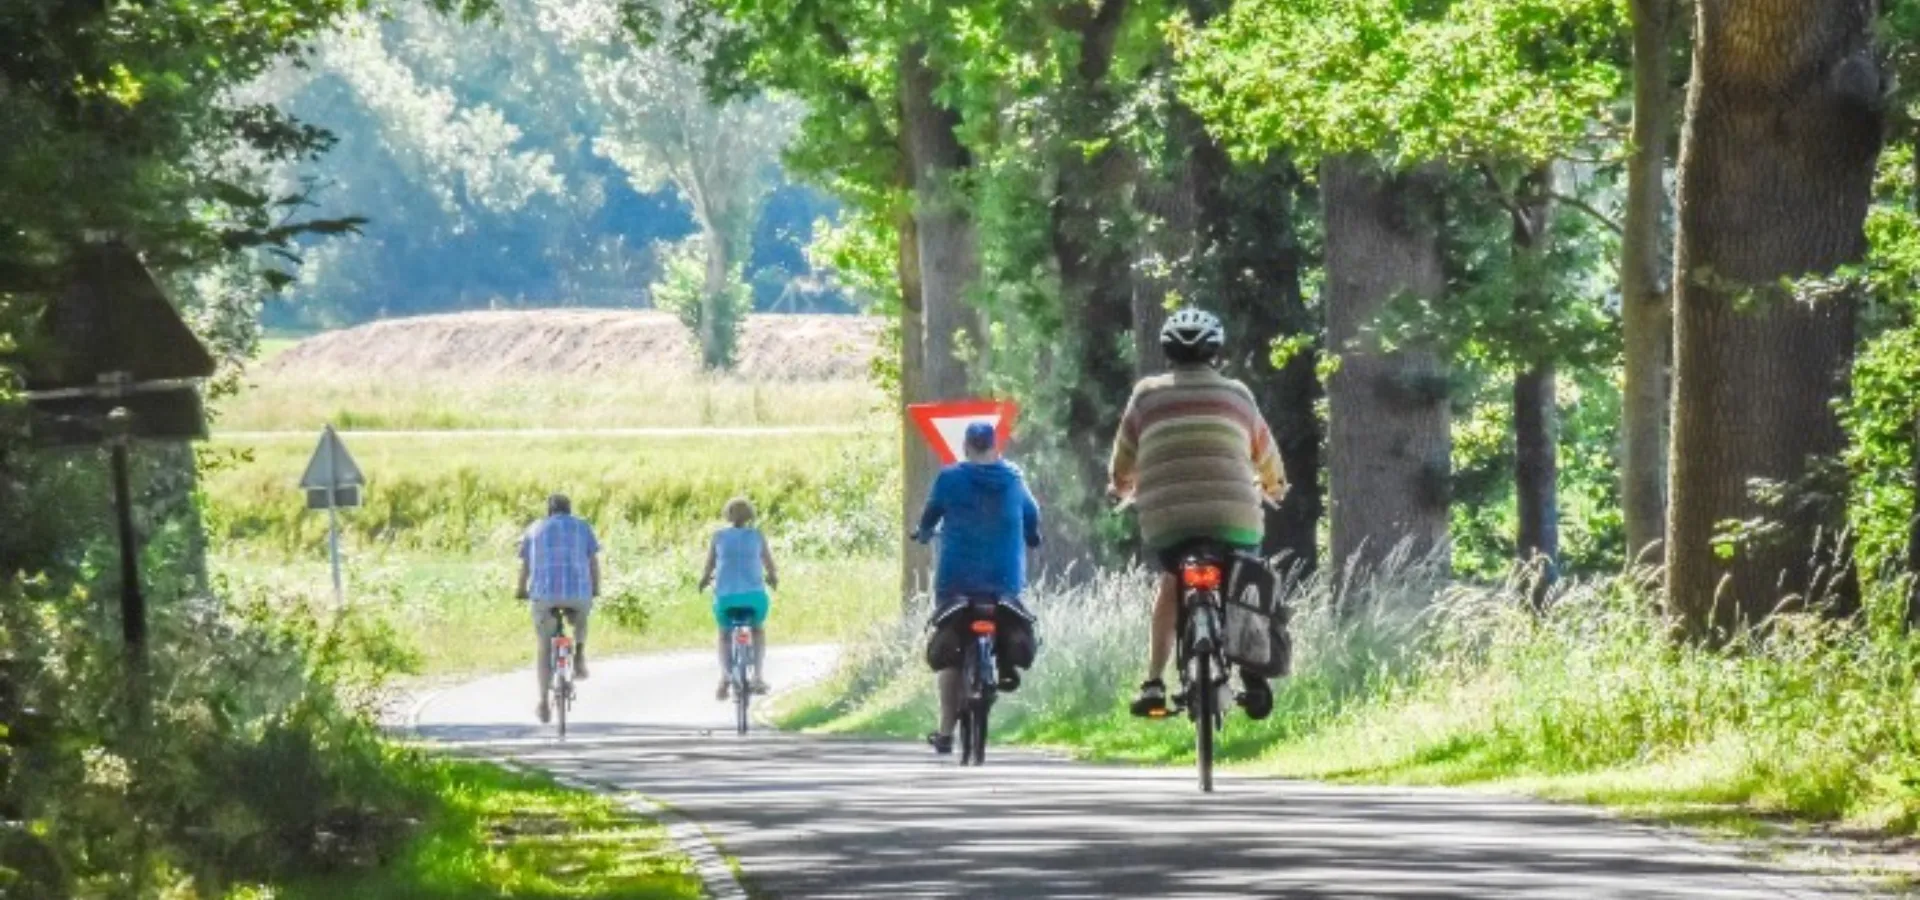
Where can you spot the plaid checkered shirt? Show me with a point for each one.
(557, 551)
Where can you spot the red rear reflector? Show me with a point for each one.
(742, 637)
(1202, 576)
(982, 626)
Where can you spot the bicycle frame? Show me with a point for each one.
(980, 674)
(1205, 674)
(561, 653)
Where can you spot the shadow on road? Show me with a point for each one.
(813, 818)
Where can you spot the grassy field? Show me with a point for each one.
(460, 616)
(491, 832)
(294, 402)
(465, 495)
(433, 547)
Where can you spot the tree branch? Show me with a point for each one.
(1589, 209)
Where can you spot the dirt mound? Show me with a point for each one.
(773, 347)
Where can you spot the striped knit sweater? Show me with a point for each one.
(1195, 454)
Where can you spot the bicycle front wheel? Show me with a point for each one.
(1205, 697)
(967, 723)
(742, 688)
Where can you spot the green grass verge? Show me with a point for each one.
(492, 832)
(1455, 684)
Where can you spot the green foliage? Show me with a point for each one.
(1882, 407)
(685, 290)
(1409, 82)
(1484, 520)
(262, 760)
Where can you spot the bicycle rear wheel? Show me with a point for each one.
(562, 698)
(977, 731)
(1205, 697)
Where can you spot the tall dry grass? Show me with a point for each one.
(1426, 680)
(292, 401)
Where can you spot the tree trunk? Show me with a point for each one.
(1089, 231)
(917, 460)
(713, 295)
(1535, 415)
(1535, 470)
(949, 258)
(1646, 311)
(1389, 444)
(1776, 170)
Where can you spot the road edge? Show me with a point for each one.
(709, 858)
(720, 880)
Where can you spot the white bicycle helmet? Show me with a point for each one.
(1192, 336)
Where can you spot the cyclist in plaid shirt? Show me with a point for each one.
(559, 570)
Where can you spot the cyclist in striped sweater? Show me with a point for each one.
(1197, 459)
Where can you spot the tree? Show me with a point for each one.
(1284, 75)
(1646, 307)
(1784, 118)
(661, 128)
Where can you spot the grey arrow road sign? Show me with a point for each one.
(333, 480)
(332, 466)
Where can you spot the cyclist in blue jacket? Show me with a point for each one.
(987, 520)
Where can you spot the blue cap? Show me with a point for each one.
(980, 437)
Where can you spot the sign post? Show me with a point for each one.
(944, 424)
(332, 481)
(118, 366)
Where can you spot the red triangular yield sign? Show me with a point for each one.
(944, 424)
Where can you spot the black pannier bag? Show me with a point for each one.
(1256, 636)
(950, 637)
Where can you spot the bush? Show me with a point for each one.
(260, 759)
(682, 290)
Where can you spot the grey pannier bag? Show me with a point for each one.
(1256, 636)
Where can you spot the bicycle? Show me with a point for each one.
(979, 675)
(739, 663)
(561, 685)
(1206, 675)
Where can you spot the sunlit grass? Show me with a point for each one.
(432, 550)
(460, 616)
(462, 497)
(492, 832)
(293, 401)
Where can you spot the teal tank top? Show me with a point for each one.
(737, 568)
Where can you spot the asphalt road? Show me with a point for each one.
(812, 817)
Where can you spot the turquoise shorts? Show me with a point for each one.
(755, 602)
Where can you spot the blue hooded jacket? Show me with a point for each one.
(990, 520)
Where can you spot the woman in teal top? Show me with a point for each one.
(740, 570)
